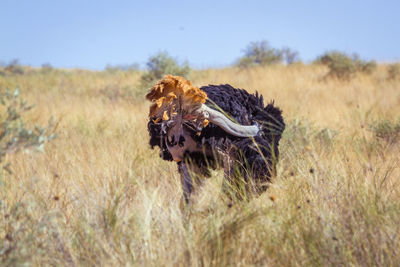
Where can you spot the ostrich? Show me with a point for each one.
(212, 126)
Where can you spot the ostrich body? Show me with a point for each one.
(211, 126)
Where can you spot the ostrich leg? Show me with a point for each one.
(186, 179)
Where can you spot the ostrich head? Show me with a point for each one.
(182, 111)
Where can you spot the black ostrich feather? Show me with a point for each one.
(254, 156)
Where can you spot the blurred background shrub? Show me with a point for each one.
(343, 66)
(261, 54)
(14, 134)
(159, 65)
(394, 71)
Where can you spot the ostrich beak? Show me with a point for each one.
(226, 124)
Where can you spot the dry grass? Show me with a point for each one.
(99, 196)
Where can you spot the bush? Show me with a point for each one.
(160, 65)
(386, 130)
(14, 135)
(394, 71)
(368, 67)
(14, 67)
(262, 54)
(290, 56)
(343, 66)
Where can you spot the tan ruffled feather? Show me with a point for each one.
(172, 91)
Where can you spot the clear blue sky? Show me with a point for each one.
(91, 34)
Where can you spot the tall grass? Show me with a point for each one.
(98, 195)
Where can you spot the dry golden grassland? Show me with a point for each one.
(98, 195)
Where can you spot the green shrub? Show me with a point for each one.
(14, 67)
(343, 66)
(260, 54)
(160, 65)
(290, 56)
(14, 134)
(386, 130)
(394, 71)
(368, 67)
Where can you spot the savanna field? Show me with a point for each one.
(97, 195)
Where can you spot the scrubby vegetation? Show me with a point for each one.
(386, 130)
(13, 67)
(343, 66)
(14, 134)
(97, 195)
(262, 54)
(162, 64)
(394, 71)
